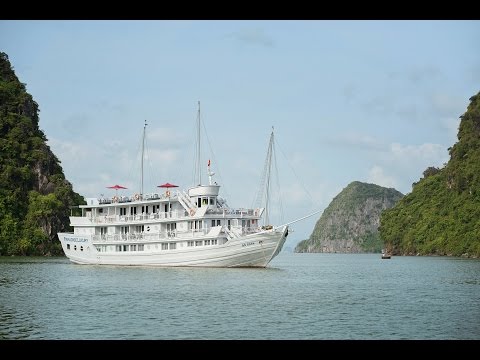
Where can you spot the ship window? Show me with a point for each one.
(173, 246)
(123, 211)
(133, 247)
(100, 210)
(190, 243)
(75, 247)
(214, 242)
(125, 247)
(207, 242)
(198, 243)
(205, 201)
(81, 248)
(213, 223)
(68, 246)
(218, 222)
(140, 247)
(164, 246)
(212, 201)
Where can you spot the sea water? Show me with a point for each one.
(298, 296)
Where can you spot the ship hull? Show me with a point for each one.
(254, 250)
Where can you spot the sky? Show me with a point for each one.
(371, 101)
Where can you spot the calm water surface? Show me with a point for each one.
(299, 296)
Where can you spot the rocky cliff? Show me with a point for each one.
(350, 222)
(35, 197)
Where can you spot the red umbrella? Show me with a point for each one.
(116, 187)
(167, 186)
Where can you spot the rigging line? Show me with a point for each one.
(217, 169)
(299, 219)
(195, 148)
(257, 201)
(133, 173)
(298, 178)
(151, 174)
(279, 194)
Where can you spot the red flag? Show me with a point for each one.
(208, 162)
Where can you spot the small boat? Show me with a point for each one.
(386, 255)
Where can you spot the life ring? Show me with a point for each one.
(192, 212)
(168, 193)
(137, 197)
(115, 199)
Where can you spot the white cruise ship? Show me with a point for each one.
(192, 227)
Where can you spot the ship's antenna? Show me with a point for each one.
(143, 150)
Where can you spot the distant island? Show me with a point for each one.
(441, 216)
(35, 197)
(350, 222)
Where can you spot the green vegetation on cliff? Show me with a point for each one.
(350, 222)
(441, 215)
(35, 198)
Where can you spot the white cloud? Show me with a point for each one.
(447, 105)
(377, 176)
(360, 141)
(254, 36)
(433, 153)
(451, 125)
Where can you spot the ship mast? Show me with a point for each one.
(143, 150)
(268, 169)
(197, 165)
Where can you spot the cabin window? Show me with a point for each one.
(100, 210)
(207, 242)
(75, 247)
(212, 201)
(123, 211)
(103, 230)
(213, 223)
(81, 248)
(140, 247)
(198, 243)
(190, 243)
(133, 210)
(125, 247)
(218, 222)
(118, 248)
(205, 201)
(214, 242)
(173, 246)
(164, 246)
(133, 247)
(68, 246)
